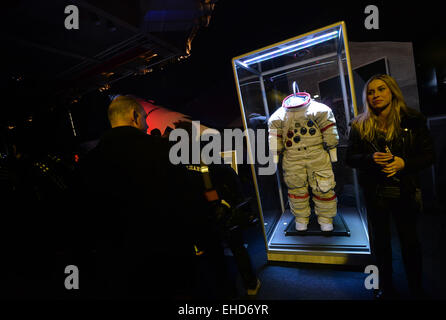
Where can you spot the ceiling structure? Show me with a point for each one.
(44, 64)
(115, 39)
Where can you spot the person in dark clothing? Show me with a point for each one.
(389, 143)
(29, 222)
(145, 222)
(229, 188)
(227, 230)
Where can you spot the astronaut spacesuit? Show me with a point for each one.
(304, 130)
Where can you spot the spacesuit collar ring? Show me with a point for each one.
(289, 102)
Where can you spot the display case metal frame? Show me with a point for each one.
(344, 255)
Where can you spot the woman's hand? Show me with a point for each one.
(393, 167)
(390, 163)
(382, 158)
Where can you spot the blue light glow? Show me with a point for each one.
(291, 48)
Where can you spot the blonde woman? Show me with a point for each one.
(389, 144)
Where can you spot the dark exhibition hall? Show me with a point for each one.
(251, 153)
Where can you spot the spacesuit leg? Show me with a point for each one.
(298, 195)
(322, 184)
(299, 200)
(325, 206)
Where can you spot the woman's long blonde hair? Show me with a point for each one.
(367, 122)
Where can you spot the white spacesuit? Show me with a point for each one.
(304, 130)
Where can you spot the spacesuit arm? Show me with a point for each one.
(327, 125)
(275, 138)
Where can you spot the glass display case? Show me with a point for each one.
(317, 63)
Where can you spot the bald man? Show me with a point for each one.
(144, 208)
(126, 111)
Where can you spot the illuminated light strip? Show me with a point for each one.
(298, 197)
(310, 42)
(325, 128)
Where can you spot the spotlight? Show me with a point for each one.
(17, 78)
(105, 87)
(148, 58)
(107, 74)
(145, 71)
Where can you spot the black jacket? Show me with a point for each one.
(139, 198)
(414, 146)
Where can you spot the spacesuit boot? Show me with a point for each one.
(324, 198)
(326, 226)
(301, 226)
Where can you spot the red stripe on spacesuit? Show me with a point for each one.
(277, 135)
(298, 197)
(325, 128)
(324, 199)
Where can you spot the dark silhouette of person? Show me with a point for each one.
(143, 212)
(226, 229)
(155, 132)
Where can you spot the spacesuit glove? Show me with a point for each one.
(333, 155)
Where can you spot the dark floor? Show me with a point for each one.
(293, 281)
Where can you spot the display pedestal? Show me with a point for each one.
(340, 228)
